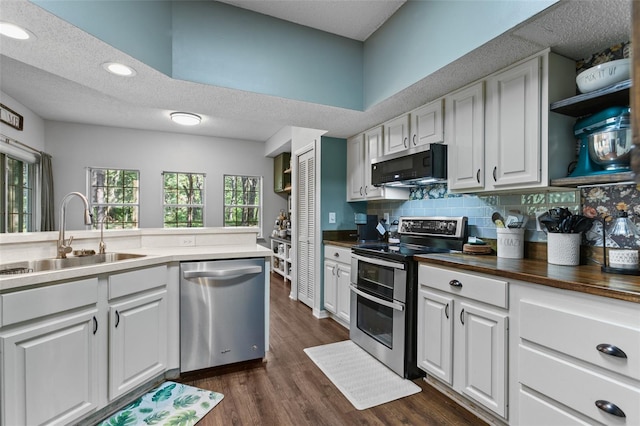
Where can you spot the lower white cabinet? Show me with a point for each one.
(578, 358)
(462, 333)
(337, 277)
(53, 341)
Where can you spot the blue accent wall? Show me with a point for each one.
(142, 29)
(424, 36)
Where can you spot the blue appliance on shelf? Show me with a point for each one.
(614, 121)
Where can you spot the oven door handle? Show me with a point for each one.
(392, 305)
(379, 262)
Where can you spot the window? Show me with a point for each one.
(183, 200)
(18, 180)
(114, 193)
(242, 200)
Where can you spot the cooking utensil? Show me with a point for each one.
(497, 219)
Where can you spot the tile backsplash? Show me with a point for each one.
(436, 200)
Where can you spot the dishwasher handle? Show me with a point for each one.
(222, 273)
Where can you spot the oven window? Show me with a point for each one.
(375, 279)
(375, 320)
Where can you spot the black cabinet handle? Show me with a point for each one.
(95, 325)
(612, 350)
(361, 191)
(478, 176)
(414, 139)
(117, 318)
(462, 316)
(446, 311)
(405, 142)
(495, 169)
(610, 408)
(455, 283)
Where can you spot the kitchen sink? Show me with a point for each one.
(70, 262)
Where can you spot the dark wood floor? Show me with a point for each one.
(288, 389)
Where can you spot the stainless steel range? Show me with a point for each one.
(384, 288)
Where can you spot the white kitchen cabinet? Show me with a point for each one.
(49, 341)
(462, 333)
(427, 125)
(573, 350)
(337, 273)
(510, 140)
(361, 149)
(396, 135)
(464, 135)
(281, 258)
(137, 328)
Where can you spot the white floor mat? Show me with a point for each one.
(361, 378)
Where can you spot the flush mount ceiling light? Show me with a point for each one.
(185, 118)
(14, 31)
(119, 69)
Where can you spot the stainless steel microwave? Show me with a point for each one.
(422, 167)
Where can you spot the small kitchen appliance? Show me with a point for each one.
(384, 288)
(367, 224)
(605, 142)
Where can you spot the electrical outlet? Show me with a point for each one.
(187, 241)
(332, 217)
(538, 214)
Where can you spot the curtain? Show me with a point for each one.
(47, 222)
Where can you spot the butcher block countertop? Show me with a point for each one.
(584, 278)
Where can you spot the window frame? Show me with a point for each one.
(202, 206)
(260, 206)
(108, 224)
(29, 219)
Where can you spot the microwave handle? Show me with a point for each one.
(392, 305)
(379, 262)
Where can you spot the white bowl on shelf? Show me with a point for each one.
(604, 75)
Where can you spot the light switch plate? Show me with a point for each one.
(332, 217)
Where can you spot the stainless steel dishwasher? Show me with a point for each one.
(222, 312)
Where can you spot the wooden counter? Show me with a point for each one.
(585, 278)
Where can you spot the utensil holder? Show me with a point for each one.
(563, 248)
(510, 243)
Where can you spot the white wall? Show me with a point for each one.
(77, 146)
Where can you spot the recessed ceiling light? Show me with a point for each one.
(185, 118)
(14, 31)
(119, 69)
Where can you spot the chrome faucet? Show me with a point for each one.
(102, 246)
(64, 246)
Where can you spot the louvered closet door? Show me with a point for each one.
(306, 225)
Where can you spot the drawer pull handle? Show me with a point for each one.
(462, 316)
(95, 325)
(612, 350)
(446, 311)
(610, 408)
(495, 169)
(117, 318)
(455, 283)
(478, 176)
(336, 254)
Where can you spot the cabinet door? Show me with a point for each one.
(356, 168)
(427, 124)
(137, 341)
(435, 335)
(305, 216)
(373, 148)
(396, 135)
(344, 293)
(50, 370)
(513, 147)
(483, 343)
(330, 286)
(464, 134)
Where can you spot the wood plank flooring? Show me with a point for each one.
(288, 389)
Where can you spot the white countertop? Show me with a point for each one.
(153, 256)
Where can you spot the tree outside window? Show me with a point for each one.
(17, 189)
(183, 200)
(242, 200)
(114, 197)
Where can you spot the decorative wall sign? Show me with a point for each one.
(10, 117)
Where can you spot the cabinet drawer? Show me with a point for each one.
(535, 411)
(135, 281)
(577, 387)
(578, 334)
(337, 254)
(476, 287)
(38, 302)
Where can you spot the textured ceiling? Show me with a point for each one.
(59, 77)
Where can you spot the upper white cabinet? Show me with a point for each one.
(427, 124)
(361, 149)
(396, 135)
(510, 140)
(464, 134)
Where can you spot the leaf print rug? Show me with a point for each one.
(170, 404)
